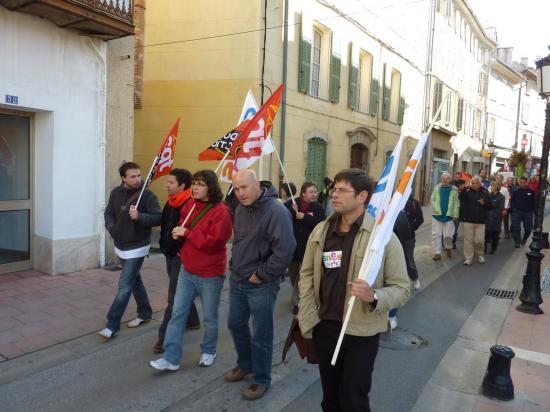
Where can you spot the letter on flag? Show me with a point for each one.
(165, 156)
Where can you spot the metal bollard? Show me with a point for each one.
(497, 382)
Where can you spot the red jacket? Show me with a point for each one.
(204, 249)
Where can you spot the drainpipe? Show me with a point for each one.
(426, 113)
(283, 99)
(518, 115)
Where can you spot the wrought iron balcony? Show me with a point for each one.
(107, 19)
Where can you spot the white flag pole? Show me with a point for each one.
(188, 215)
(284, 175)
(352, 298)
(155, 160)
(222, 161)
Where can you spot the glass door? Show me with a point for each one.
(15, 192)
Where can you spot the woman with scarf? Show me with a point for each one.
(306, 214)
(178, 186)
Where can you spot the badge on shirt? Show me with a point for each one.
(332, 259)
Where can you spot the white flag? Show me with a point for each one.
(230, 167)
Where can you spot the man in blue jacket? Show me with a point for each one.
(522, 207)
(262, 249)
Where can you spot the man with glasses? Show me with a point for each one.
(328, 278)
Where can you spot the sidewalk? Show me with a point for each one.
(456, 383)
(38, 311)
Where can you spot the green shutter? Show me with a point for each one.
(304, 65)
(386, 95)
(401, 112)
(353, 80)
(373, 104)
(316, 161)
(334, 85)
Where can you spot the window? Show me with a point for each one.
(359, 156)
(448, 108)
(449, 11)
(364, 81)
(466, 119)
(481, 83)
(316, 160)
(456, 21)
(477, 123)
(395, 90)
(316, 64)
(460, 114)
(472, 121)
(437, 99)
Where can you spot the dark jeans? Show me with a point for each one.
(254, 350)
(455, 236)
(173, 265)
(346, 385)
(491, 238)
(519, 217)
(130, 283)
(506, 221)
(408, 249)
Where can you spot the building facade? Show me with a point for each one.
(63, 120)
(347, 98)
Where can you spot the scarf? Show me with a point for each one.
(305, 206)
(179, 198)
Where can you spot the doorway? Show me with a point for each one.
(359, 157)
(15, 192)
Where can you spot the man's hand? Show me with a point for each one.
(361, 289)
(178, 231)
(134, 214)
(481, 202)
(299, 215)
(255, 279)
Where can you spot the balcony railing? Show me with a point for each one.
(108, 19)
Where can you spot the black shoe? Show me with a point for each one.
(517, 246)
(295, 310)
(491, 252)
(523, 242)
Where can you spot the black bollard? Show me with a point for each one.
(497, 382)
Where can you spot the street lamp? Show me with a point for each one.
(491, 150)
(530, 294)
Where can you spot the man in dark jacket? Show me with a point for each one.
(474, 204)
(414, 214)
(306, 214)
(522, 206)
(263, 246)
(494, 217)
(130, 228)
(178, 185)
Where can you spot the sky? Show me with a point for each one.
(521, 24)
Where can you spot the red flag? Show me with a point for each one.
(165, 155)
(250, 140)
(247, 138)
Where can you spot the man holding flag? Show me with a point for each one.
(130, 227)
(329, 277)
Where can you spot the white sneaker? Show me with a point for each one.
(416, 284)
(163, 365)
(467, 262)
(207, 359)
(393, 322)
(137, 322)
(107, 333)
(481, 259)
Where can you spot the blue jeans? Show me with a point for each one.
(254, 351)
(129, 283)
(519, 217)
(209, 291)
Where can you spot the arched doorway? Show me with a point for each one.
(359, 157)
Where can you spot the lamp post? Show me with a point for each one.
(530, 296)
(491, 150)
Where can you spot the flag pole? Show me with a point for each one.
(284, 174)
(221, 161)
(352, 298)
(155, 160)
(188, 215)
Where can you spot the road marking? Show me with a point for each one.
(531, 356)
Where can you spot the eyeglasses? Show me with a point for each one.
(339, 190)
(199, 183)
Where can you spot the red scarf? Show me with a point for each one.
(179, 198)
(305, 206)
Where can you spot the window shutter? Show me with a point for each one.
(316, 160)
(304, 63)
(386, 95)
(335, 65)
(401, 111)
(459, 114)
(353, 80)
(373, 104)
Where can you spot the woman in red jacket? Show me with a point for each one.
(205, 228)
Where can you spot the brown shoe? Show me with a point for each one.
(158, 348)
(436, 257)
(449, 252)
(255, 391)
(236, 374)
